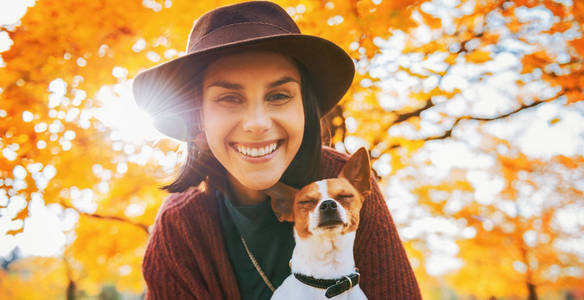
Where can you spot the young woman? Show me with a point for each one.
(248, 97)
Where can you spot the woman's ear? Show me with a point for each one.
(200, 141)
(282, 200)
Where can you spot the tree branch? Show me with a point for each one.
(448, 133)
(113, 218)
(416, 113)
(522, 107)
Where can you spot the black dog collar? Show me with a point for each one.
(333, 286)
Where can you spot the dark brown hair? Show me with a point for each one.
(201, 165)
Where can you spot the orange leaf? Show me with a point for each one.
(514, 26)
(490, 38)
(578, 45)
(567, 162)
(559, 27)
(430, 20)
(478, 57)
(556, 8)
(451, 59)
(14, 232)
(22, 214)
(574, 96)
(578, 11)
(535, 60)
(407, 70)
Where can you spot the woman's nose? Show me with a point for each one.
(256, 120)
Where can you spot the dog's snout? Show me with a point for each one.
(330, 214)
(328, 205)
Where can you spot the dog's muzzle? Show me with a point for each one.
(329, 214)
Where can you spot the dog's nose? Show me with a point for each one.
(328, 205)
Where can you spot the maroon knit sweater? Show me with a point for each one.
(186, 256)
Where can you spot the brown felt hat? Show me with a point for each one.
(165, 91)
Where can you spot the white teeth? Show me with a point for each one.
(256, 152)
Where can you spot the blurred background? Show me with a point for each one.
(472, 111)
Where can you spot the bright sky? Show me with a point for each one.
(530, 131)
(12, 10)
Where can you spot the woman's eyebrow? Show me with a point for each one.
(237, 86)
(226, 84)
(281, 81)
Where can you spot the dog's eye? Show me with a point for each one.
(345, 196)
(307, 202)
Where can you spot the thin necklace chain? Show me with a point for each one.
(257, 265)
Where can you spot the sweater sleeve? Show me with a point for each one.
(169, 272)
(380, 255)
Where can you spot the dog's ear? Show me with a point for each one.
(282, 201)
(358, 170)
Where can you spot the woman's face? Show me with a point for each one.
(253, 116)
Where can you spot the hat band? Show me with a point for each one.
(236, 33)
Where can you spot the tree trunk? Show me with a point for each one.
(531, 290)
(71, 291)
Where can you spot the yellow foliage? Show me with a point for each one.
(535, 60)
(578, 45)
(560, 27)
(570, 162)
(81, 42)
(490, 38)
(451, 59)
(407, 70)
(34, 278)
(578, 11)
(114, 248)
(496, 277)
(558, 9)
(424, 96)
(478, 56)
(430, 20)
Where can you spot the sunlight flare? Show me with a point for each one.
(119, 112)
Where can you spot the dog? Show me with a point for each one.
(326, 216)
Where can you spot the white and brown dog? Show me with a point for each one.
(326, 216)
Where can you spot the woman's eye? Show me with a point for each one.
(279, 97)
(229, 99)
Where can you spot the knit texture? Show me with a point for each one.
(186, 257)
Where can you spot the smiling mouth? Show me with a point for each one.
(258, 149)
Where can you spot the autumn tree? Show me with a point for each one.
(517, 222)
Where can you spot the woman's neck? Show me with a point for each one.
(242, 195)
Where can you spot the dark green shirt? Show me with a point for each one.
(271, 242)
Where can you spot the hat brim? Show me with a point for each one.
(163, 90)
